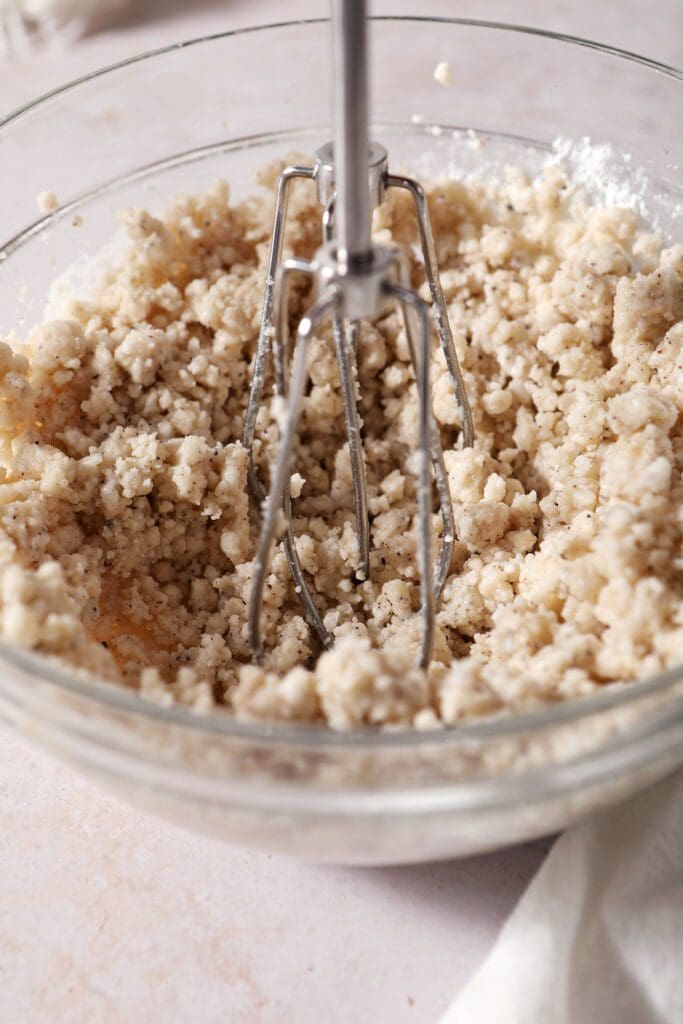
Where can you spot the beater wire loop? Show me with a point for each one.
(410, 302)
(345, 334)
(439, 307)
(278, 499)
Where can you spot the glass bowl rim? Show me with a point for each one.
(509, 27)
(220, 722)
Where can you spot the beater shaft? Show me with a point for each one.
(352, 208)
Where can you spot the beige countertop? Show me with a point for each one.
(108, 915)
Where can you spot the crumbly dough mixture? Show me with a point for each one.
(127, 535)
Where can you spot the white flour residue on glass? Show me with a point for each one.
(605, 173)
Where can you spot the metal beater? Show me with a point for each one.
(354, 279)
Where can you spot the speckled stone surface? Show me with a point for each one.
(108, 915)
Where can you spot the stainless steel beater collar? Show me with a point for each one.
(361, 291)
(326, 179)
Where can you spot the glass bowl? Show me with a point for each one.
(139, 132)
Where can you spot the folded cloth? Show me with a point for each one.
(596, 937)
(25, 24)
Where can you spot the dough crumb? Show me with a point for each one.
(47, 202)
(443, 74)
(128, 539)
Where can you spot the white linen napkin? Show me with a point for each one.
(25, 24)
(597, 938)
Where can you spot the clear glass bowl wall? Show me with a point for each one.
(170, 121)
